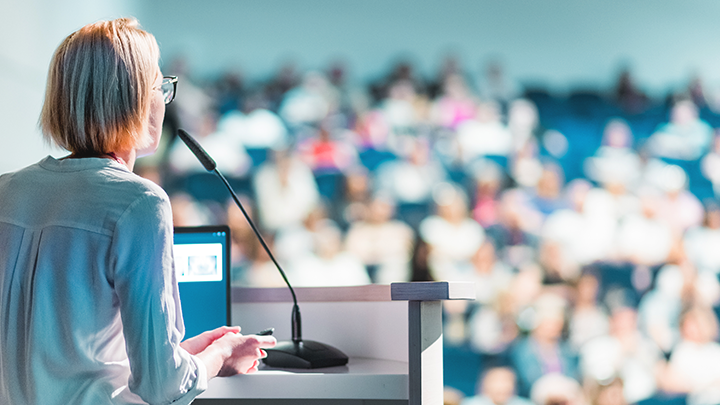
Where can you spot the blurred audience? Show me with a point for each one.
(328, 265)
(701, 242)
(588, 319)
(554, 206)
(382, 244)
(493, 84)
(456, 104)
(643, 238)
(557, 389)
(623, 354)
(286, 191)
(544, 351)
(255, 127)
(226, 149)
(488, 183)
(484, 134)
(410, 181)
(453, 237)
(616, 160)
(685, 137)
(497, 387)
(694, 366)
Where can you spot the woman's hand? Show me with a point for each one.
(233, 353)
(197, 344)
(246, 353)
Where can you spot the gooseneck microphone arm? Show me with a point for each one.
(210, 165)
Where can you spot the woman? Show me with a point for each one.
(89, 307)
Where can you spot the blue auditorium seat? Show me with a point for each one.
(617, 276)
(664, 400)
(208, 187)
(501, 161)
(461, 368)
(413, 213)
(584, 136)
(590, 104)
(372, 158)
(330, 183)
(710, 116)
(257, 155)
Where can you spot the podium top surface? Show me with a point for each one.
(360, 379)
(414, 291)
(432, 291)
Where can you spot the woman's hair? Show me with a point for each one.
(99, 88)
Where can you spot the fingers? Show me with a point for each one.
(221, 331)
(260, 342)
(254, 344)
(210, 336)
(247, 350)
(266, 342)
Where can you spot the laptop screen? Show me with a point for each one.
(202, 265)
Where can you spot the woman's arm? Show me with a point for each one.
(164, 369)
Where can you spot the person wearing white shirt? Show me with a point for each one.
(694, 366)
(328, 264)
(452, 235)
(286, 191)
(701, 242)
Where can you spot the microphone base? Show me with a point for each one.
(307, 354)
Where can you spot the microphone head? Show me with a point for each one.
(207, 162)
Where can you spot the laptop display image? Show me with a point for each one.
(202, 266)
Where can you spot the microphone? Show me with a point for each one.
(297, 353)
(197, 150)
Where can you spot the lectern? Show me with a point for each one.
(392, 334)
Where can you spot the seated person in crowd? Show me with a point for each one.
(328, 265)
(694, 365)
(701, 242)
(496, 387)
(286, 191)
(452, 235)
(616, 158)
(383, 244)
(626, 353)
(484, 135)
(410, 181)
(544, 351)
(685, 137)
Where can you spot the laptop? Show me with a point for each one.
(202, 266)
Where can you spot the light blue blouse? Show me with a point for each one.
(89, 306)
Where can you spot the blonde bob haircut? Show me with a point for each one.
(99, 88)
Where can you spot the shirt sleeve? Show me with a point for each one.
(144, 280)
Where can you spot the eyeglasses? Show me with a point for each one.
(169, 88)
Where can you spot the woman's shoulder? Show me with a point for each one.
(112, 185)
(117, 182)
(90, 194)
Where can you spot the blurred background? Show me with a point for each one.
(563, 155)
